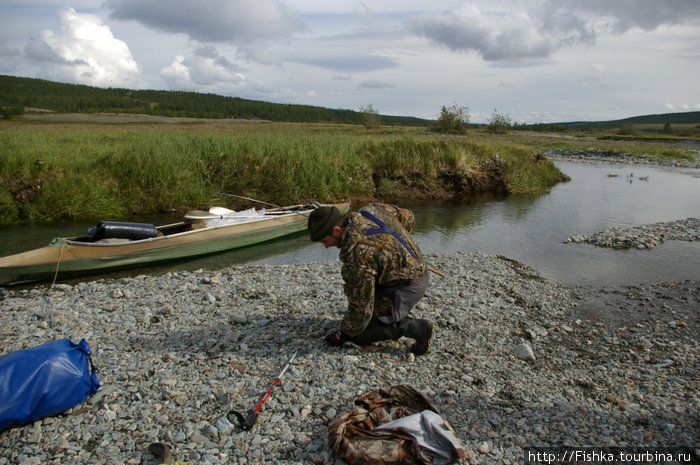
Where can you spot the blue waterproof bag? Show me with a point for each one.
(45, 380)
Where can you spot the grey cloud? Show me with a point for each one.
(620, 15)
(555, 23)
(204, 69)
(496, 38)
(206, 51)
(39, 50)
(259, 54)
(375, 84)
(346, 63)
(237, 21)
(6, 50)
(9, 58)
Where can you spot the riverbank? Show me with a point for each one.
(80, 172)
(176, 352)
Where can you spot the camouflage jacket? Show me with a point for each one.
(376, 259)
(364, 435)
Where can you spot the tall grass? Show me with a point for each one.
(67, 172)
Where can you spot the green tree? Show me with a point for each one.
(498, 123)
(370, 117)
(453, 120)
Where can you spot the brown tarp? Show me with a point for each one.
(353, 435)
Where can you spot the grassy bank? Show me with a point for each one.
(53, 172)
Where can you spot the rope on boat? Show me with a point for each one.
(58, 261)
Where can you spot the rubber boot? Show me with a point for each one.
(419, 329)
(378, 332)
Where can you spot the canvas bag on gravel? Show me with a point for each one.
(394, 426)
(44, 380)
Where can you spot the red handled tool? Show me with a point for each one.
(246, 422)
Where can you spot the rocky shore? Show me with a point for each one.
(516, 361)
(610, 157)
(643, 237)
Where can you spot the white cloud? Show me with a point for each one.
(361, 10)
(177, 74)
(204, 70)
(84, 51)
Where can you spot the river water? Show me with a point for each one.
(529, 228)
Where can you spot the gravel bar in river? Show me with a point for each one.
(646, 236)
(514, 363)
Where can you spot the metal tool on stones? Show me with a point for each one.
(246, 422)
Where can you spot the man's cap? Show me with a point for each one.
(321, 222)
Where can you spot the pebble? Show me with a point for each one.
(524, 352)
(174, 378)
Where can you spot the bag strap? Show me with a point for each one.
(384, 229)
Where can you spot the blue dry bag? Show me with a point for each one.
(44, 380)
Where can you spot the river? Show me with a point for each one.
(529, 228)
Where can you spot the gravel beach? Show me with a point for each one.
(516, 361)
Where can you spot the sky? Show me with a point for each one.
(535, 61)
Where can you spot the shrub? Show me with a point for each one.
(453, 120)
(498, 123)
(370, 117)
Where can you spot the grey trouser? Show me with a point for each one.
(403, 297)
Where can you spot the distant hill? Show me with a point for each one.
(18, 93)
(691, 118)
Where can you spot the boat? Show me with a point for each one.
(113, 245)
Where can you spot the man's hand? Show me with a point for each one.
(335, 338)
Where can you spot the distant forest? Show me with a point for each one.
(18, 93)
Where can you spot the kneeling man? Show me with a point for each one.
(383, 270)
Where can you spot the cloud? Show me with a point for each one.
(351, 62)
(537, 32)
(205, 69)
(235, 21)
(494, 36)
(375, 84)
(84, 51)
(361, 10)
(9, 57)
(618, 16)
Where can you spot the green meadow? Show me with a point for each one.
(64, 171)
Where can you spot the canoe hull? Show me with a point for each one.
(67, 258)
